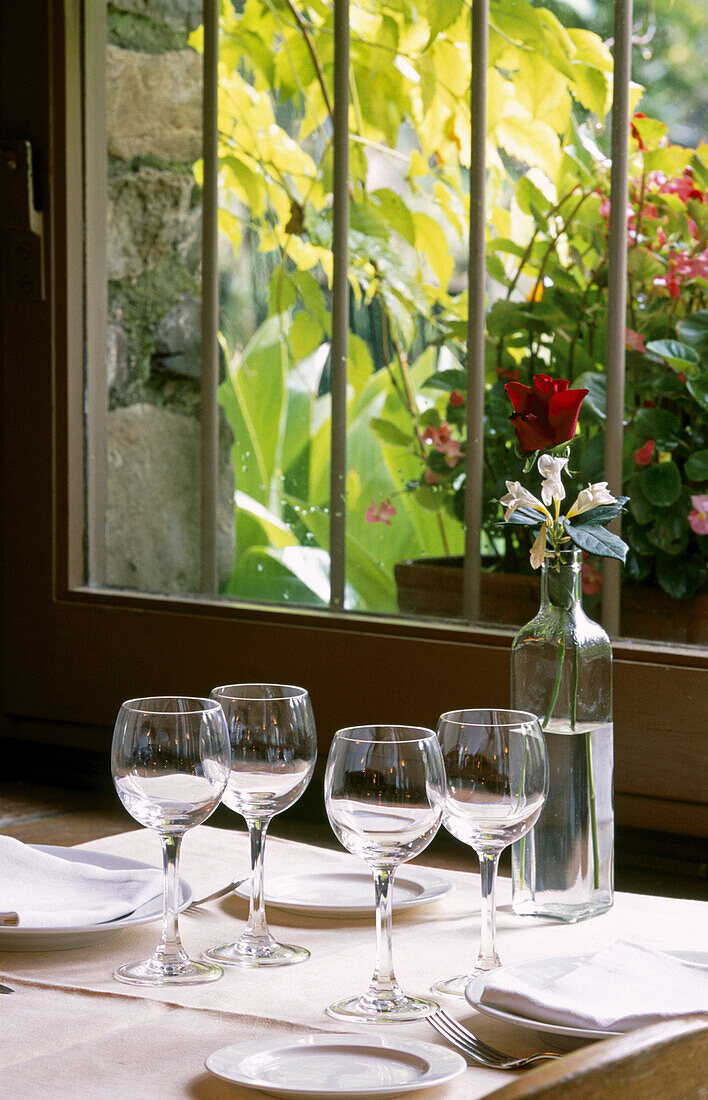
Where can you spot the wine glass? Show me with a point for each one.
(496, 784)
(384, 791)
(170, 762)
(273, 752)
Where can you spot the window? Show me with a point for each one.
(77, 650)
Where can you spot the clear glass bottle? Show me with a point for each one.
(561, 670)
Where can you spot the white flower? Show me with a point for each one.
(518, 497)
(550, 469)
(538, 550)
(591, 497)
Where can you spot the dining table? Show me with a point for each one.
(71, 1030)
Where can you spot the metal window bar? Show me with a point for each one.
(477, 271)
(96, 292)
(210, 303)
(617, 292)
(340, 307)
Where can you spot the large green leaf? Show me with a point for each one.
(693, 330)
(661, 484)
(294, 574)
(661, 425)
(600, 515)
(596, 385)
(680, 578)
(596, 540)
(698, 389)
(679, 356)
(697, 466)
(450, 379)
(258, 407)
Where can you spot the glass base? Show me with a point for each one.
(455, 987)
(380, 1011)
(153, 972)
(251, 955)
(565, 911)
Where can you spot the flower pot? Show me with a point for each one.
(433, 586)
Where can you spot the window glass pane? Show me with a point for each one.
(549, 91)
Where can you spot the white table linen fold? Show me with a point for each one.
(624, 987)
(46, 890)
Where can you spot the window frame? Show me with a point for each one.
(72, 653)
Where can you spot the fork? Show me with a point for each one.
(479, 1051)
(195, 906)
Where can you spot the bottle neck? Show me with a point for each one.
(561, 581)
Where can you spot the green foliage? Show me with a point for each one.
(138, 32)
(547, 259)
(410, 126)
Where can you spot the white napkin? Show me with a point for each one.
(47, 891)
(624, 987)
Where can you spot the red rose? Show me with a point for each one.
(545, 414)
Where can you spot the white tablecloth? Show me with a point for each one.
(71, 1030)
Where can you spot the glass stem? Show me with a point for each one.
(488, 958)
(257, 926)
(170, 949)
(384, 981)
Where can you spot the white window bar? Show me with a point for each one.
(617, 293)
(340, 307)
(210, 302)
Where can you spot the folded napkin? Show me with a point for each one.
(624, 987)
(47, 891)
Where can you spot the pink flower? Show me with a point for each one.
(683, 186)
(380, 513)
(682, 267)
(634, 341)
(644, 455)
(442, 441)
(698, 518)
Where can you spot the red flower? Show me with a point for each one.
(443, 442)
(590, 578)
(456, 399)
(644, 455)
(635, 132)
(509, 373)
(545, 414)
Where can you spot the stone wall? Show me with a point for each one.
(153, 358)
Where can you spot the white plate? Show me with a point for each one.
(336, 1065)
(346, 892)
(86, 935)
(556, 967)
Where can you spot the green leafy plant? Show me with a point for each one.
(410, 136)
(551, 316)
